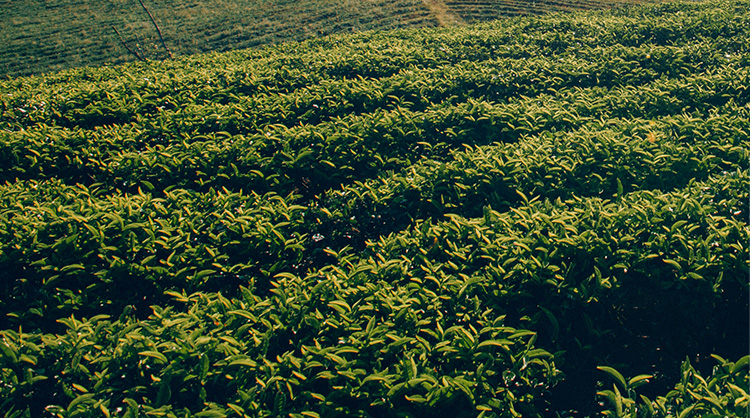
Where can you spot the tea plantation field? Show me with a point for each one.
(540, 217)
(38, 37)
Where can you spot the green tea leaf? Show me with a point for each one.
(740, 364)
(156, 355)
(638, 380)
(614, 374)
(243, 362)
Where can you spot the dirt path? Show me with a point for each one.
(443, 14)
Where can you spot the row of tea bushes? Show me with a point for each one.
(705, 37)
(70, 249)
(494, 79)
(324, 155)
(125, 245)
(604, 159)
(302, 352)
(439, 315)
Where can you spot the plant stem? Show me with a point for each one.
(137, 55)
(158, 30)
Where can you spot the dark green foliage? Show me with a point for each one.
(722, 393)
(493, 220)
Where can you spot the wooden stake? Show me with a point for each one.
(164, 44)
(125, 44)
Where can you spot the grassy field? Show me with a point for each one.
(39, 37)
(541, 216)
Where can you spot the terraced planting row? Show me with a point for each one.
(540, 217)
(55, 35)
(60, 35)
(483, 10)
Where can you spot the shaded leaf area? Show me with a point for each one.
(722, 393)
(546, 217)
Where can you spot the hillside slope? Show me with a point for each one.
(39, 37)
(483, 10)
(58, 34)
(544, 216)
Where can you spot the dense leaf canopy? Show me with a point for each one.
(544, 216)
